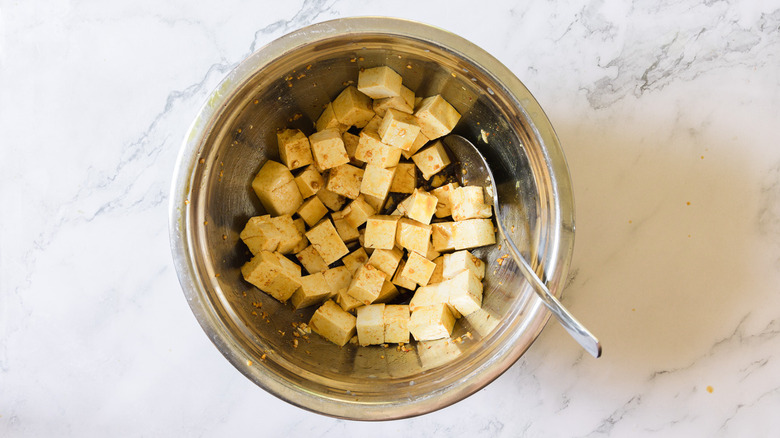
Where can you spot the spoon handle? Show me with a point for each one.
(577, 331)
(475, 168)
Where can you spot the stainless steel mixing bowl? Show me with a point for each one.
(286, 84)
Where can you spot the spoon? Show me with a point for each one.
(476, 170)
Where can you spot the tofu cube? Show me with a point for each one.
(303, 242)
(441, 236)
(374, 202)
(469, 203)
(436, 117)
(398, 129)
(380, 231)
(437, 352)
(362, 241)
(431, 160)
(473, 233)
(379, 82)
(460, 261)
(403, 103)
(404, 179)
(388, 293)
(418, 269)
(438, 180)
(354, 260)
(337, 278)
(444, 195)
(294, 149)
(370, 324)
(367, 284)
(346, 302)
(358, 212)
(259, 234)
(403, 207)
(432, 294)
(353, 108)
(438, 271)
(370, 149)
(433, 322)
(312, 210)
(345, 180)
(372, 126)
(420, 141)
(376, 181)
(432, 253)
(313, 290)
(275, 186)
(332, 323)
(465, 293)
(347, 232)
(333, 201)
(413, 236)
(386, 260)
(300, 225)
(429, 295)
(396, 319)
(288, 266)
(309, 182)
(328, 149)
(327, 242)
(289, 234)
(400, 281)
(422, 206)
(265, 271)
(328, 120)
(311, 260)
(350, 144)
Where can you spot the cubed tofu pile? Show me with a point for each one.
(377, 276)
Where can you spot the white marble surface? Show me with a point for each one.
(668, 112)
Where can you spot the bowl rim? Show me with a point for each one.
(187, 160)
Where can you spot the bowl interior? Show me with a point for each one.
(289, 87)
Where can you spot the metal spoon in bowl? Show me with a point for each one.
(477, 172)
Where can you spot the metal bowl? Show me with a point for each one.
(286, 84)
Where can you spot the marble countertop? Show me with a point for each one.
(667, 111)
